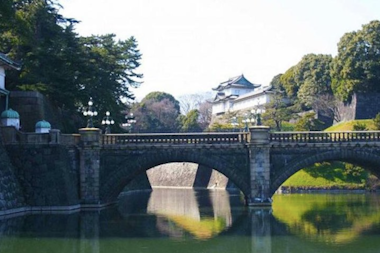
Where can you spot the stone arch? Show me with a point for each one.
(364, 158)
(111, 187)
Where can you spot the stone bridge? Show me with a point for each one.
(54, 170)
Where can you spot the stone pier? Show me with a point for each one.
(259, 164)
(89, 166)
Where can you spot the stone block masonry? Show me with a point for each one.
(46, 175)
(11, 195)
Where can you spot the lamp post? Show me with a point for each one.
(90, 112)
(234, 123)
(130, 121)
(107, 121)
(248, 118)
(253, 117)
(256, 115)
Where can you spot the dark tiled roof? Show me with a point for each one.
(219, 98)
(237, 81)
(5, 61)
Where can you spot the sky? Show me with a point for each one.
(190, 46)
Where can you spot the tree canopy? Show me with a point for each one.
(308, 79)
(278, 109)
(157, 112)
(189, 123)
(356, 68)
(68, 69)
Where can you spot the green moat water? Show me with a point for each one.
(178, 220)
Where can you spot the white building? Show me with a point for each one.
(5, 63)
(238, 94)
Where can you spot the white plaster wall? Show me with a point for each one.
(2, 78)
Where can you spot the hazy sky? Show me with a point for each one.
(191, 46)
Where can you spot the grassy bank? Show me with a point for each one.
(348, 126)
(328, 176)
(331, 175)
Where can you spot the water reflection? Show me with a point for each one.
(203, 221)
(203, 215)
(328, 218)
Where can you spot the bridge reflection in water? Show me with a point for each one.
(203, 221)
(203, 217)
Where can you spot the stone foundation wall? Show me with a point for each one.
(33, 107)
(48, 174)
(186, 175)
(30, 106)
(361, 106)
(11, 195)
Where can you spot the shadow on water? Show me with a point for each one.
(174, 220)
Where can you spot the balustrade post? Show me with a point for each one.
(89, 166)
(55, 136)
(259, 155)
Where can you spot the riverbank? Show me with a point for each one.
(308, 189)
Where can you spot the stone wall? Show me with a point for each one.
(186, 175)
(30, 106)
(361, 106)
(33, 107)
(182, 175)
(11, 195)
(48, 174)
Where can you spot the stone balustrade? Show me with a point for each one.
(13, 136)
(70, 139)
(325, 137)
(175, 138)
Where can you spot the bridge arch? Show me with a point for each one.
(362, 157)
(130, 166)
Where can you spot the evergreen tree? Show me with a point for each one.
(66, 68)
(190, 122)
(356, 68)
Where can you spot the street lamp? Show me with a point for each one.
(248, 118)
(107, 121)
(256, 116)
(130, 121)
(253, 117)
(234, 123)
(90, 112)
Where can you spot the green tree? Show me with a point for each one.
(66, 68)
(308, 79)
(190, 122)
(313, 76)
(278, 109)
(288, 82)
(376, 121)
(108, 70)
(308, 122)
(356, 68)
(159, 96)
(157, 112)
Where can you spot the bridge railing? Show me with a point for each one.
(70, 139)
(175, 138)
(325, 137)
